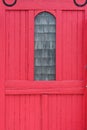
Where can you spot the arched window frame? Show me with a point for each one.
(48, 11)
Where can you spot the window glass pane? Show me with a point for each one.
(45, 41)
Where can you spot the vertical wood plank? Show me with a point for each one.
(22, 45)
(74, 112)
(68, 112)
(80, 45)
(74, 45)
(80, 116)
(27, 112)
(86, 109)
(37, 112)
(16, 113)
(7, 19)
(52, 112)
(32, 112)
(11, 112)
(7, 113)
(83, 47)
(64, 45)
(11, 46)
(69, 44)
(26, 42)
(22, 112)
(63, 112)
(85, 69)
(59, 57)
(31, 47)
(16, 39)
(45, 110)
(2, 69)
(58, 114)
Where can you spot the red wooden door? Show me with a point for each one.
(26, 104)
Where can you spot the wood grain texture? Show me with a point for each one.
(2, 70)
(59, 42)
(31, 47)
(46, 105)
(51, 112)
(72, 45)
(69, 45)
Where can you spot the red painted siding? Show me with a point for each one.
(44, 111)
(20, 52)
(37, 105)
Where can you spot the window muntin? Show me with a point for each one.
(45, 47)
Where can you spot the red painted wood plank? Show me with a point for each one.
(22, 112)
(17, 42)
(31, 46)
(7, 19)
(74, 45)
(68, 119)
(37, 114)
(80, 113)
(58, 111)
(64, 45)
(11, 112)
(74, 117)
(17, 112)
(76, 112)
(85, 46)
(22, 45)
(32, 112)
(80, 45)
(59, 57)
(63, 119)
(26, 42)
(2, 70)
(52, 112)
(27, 112)
(6, 113)
(46, 91)
(86, 109)
(82, 110)
(68, 45)
(85, 69)
(45, 110)
(23, 84)
(11, 45)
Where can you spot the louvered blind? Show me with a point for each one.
(45, 41)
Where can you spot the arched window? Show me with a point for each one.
(45, 42)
